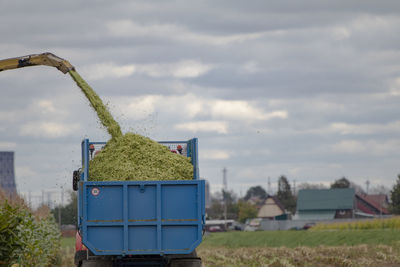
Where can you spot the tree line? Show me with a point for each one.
(247, 207)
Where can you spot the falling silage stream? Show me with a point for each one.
(130, 156)
(97, 104)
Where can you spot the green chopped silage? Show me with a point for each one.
(131, 156)
(95, 101)
(135, 157)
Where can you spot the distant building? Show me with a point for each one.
(7, 174)
(327, 204)
(373, 204)
(271, 208)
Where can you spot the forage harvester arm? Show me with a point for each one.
(47, 59)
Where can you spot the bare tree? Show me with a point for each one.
(312, 186)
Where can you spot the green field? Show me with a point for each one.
(292, 248)
(293, 239)
(68, 242)
(290, 239)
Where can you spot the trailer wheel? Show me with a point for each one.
(185, 260)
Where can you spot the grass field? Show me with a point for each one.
(67, 251)
(293, 239)
(361, 255)
(302, 248)
(67, 242)
(294, 248)
(290, 239)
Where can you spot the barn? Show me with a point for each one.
(338, 203)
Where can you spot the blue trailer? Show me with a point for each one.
(139, 223)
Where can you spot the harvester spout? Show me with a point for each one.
(47, 59)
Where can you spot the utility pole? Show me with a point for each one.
(294, 187)
(269, 186)
(49, 199)
(60, 206)
(224, 192)
(42, 197)
(30, 199)
(367, 184)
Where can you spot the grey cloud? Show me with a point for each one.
(322, 62)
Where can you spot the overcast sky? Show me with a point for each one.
(308, 89)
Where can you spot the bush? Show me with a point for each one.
(27, 239)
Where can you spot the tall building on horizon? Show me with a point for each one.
(7, 173)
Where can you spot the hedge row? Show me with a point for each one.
(27, 239)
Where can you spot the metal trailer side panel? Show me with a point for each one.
(142, 217)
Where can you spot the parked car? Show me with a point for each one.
(308, 226)
(253, 225)
(215, 228)
(236, 226)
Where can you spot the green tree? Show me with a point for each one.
(285, 194)
(311, 186)
(246, 211)
(256, 191)
(341, 183)
(395, 197)
(69, 212)
(231, 204)
(216, 209)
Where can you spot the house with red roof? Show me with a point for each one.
(373, 204)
